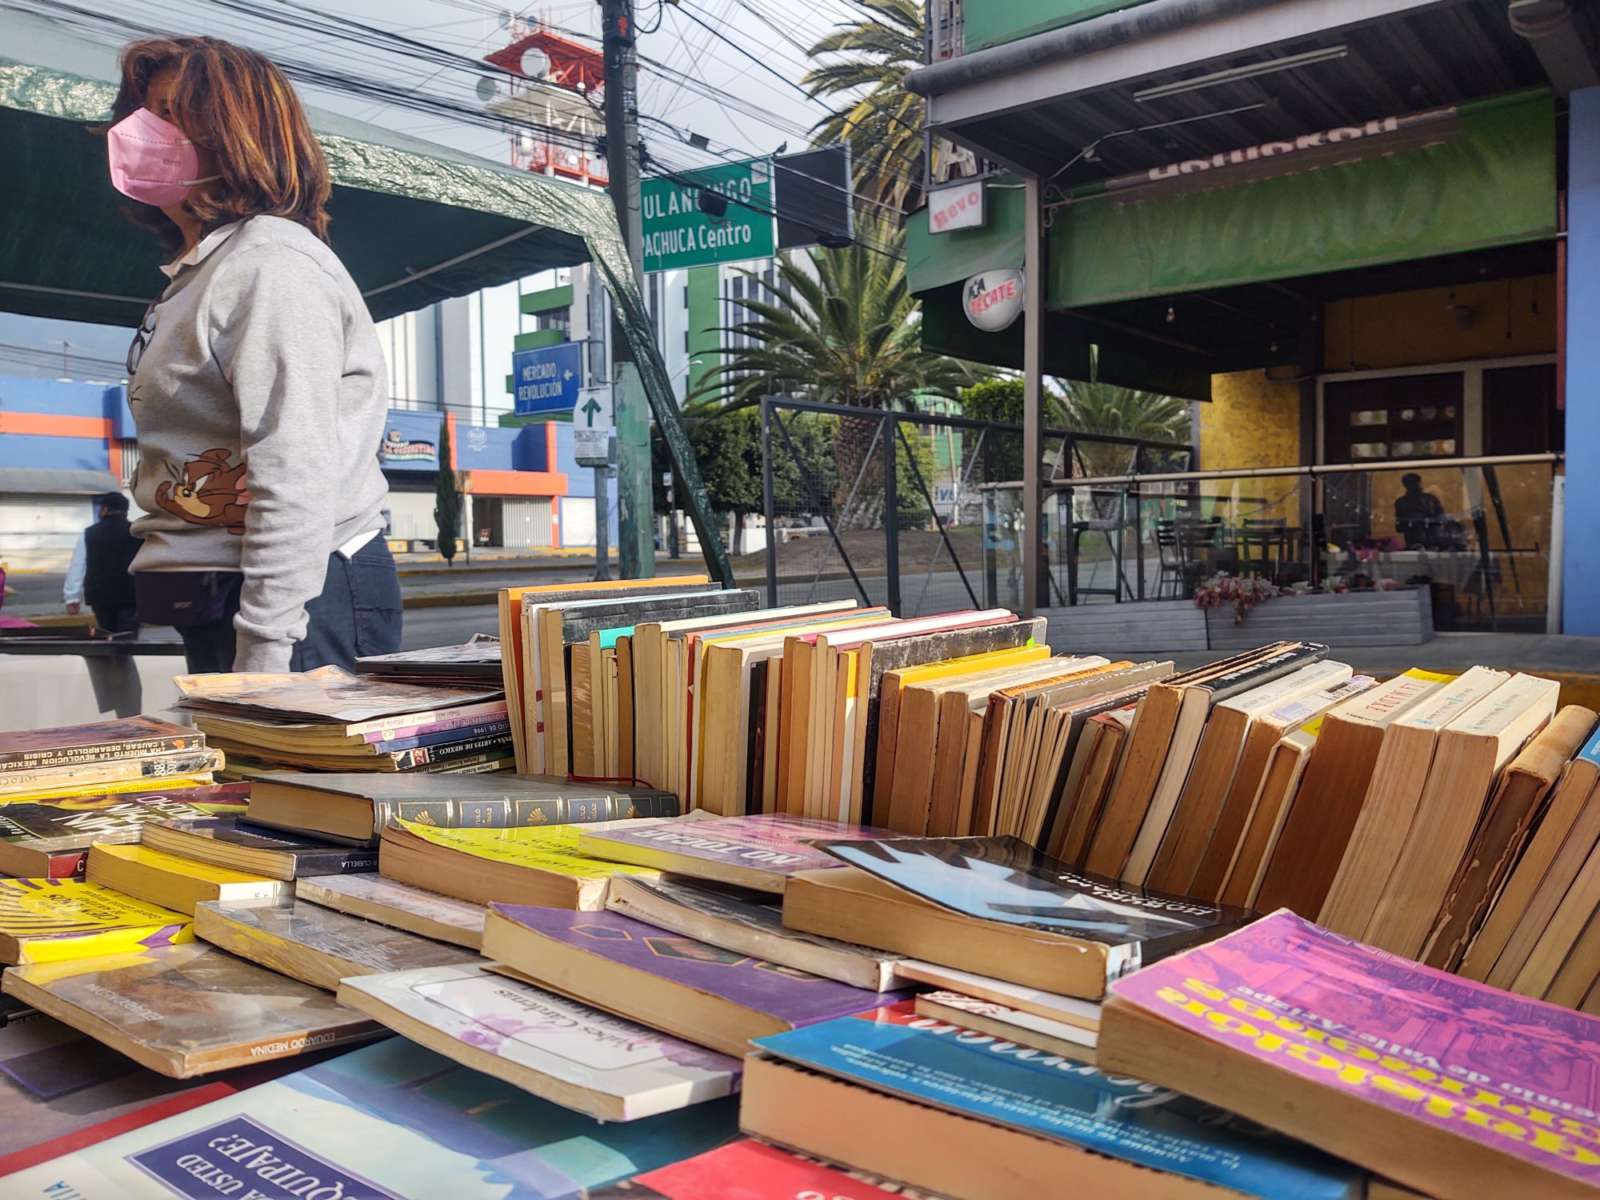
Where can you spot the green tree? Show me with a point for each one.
(446, 499)
(1001, 401)
(864, 67)
(1094, 407)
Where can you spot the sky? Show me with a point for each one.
(752, 72)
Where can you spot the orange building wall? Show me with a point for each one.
(1412, 329)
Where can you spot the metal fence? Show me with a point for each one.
(888, 507)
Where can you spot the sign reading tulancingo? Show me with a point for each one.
(679, 231)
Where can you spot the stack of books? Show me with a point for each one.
(133, 754)
(330, 720)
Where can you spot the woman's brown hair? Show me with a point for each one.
(237, 105)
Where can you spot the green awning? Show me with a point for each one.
(1477, 176)
(413, 221)
(936, 259)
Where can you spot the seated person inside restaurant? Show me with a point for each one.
(1420, 519)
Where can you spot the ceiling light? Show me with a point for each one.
(1234, 74)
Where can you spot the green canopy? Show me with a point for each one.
(413, 222)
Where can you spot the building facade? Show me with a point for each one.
(1353, 232)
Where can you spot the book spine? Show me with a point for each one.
(339, 861)
(422, 756)
(505, 813)
(73, 756)
(67, 864)
(490, 728)
(118, 771)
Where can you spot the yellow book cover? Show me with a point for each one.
(552, 848)
(175, 784)
(176, 864)
(996, 660)
(48, 920)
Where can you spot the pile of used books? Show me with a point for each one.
(330, 720)
(914, 901)
(128, 755)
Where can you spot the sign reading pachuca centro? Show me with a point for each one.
(679, 233)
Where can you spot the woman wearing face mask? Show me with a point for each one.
(256, 378)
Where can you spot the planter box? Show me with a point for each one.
(1137, 626)
(1403, 617)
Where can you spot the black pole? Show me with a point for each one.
(768, 502)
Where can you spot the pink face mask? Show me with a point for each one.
(151, 161)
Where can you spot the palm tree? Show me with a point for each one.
(841, 327)
(867, 63)
(846, 331)
(1095, 407)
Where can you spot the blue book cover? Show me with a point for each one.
(388, 1122)
(934, 1063)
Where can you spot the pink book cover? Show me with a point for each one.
(1517, 1075)
(774, 842)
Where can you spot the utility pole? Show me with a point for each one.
(636, 556)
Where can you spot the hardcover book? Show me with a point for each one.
(188, 1010)
(232, 842)
(549, 1045)
(749, 922)
(51, 839)
(97, 741)
(357, 806)
(51, 920)
(387, 1122)
(317, 945)
(949, 1068)
(757, 852)
(1451, 1087)
(414, 909)
(711, 996)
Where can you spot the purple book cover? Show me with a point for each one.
(784, 992)
(1519, 1076)
(779, 844)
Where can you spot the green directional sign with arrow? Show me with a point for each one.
(587, 409)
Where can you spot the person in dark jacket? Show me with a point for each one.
(109, 547)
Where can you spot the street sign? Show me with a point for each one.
(548, 379)
(679, 232)
(591, 429)
(592, 447)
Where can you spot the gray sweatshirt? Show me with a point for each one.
(260, 374)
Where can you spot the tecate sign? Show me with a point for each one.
(993, 300)
(959, 206)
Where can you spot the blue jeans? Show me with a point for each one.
(357, 614)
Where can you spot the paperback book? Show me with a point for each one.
(398, 905)
(758, 852)
(317, 945)
(52, 920)
(52, 839)
(549, 1045)
(717, 998)
(388, 1122)
(998, 907)
(97, 741)
(327, 694)
(749, 922)
(752, 1170)
(950, 1068)
(233, 842)
(1451, 1087)
(188, 1010)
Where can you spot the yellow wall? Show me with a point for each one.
(1407, 329)
(1252, 421)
